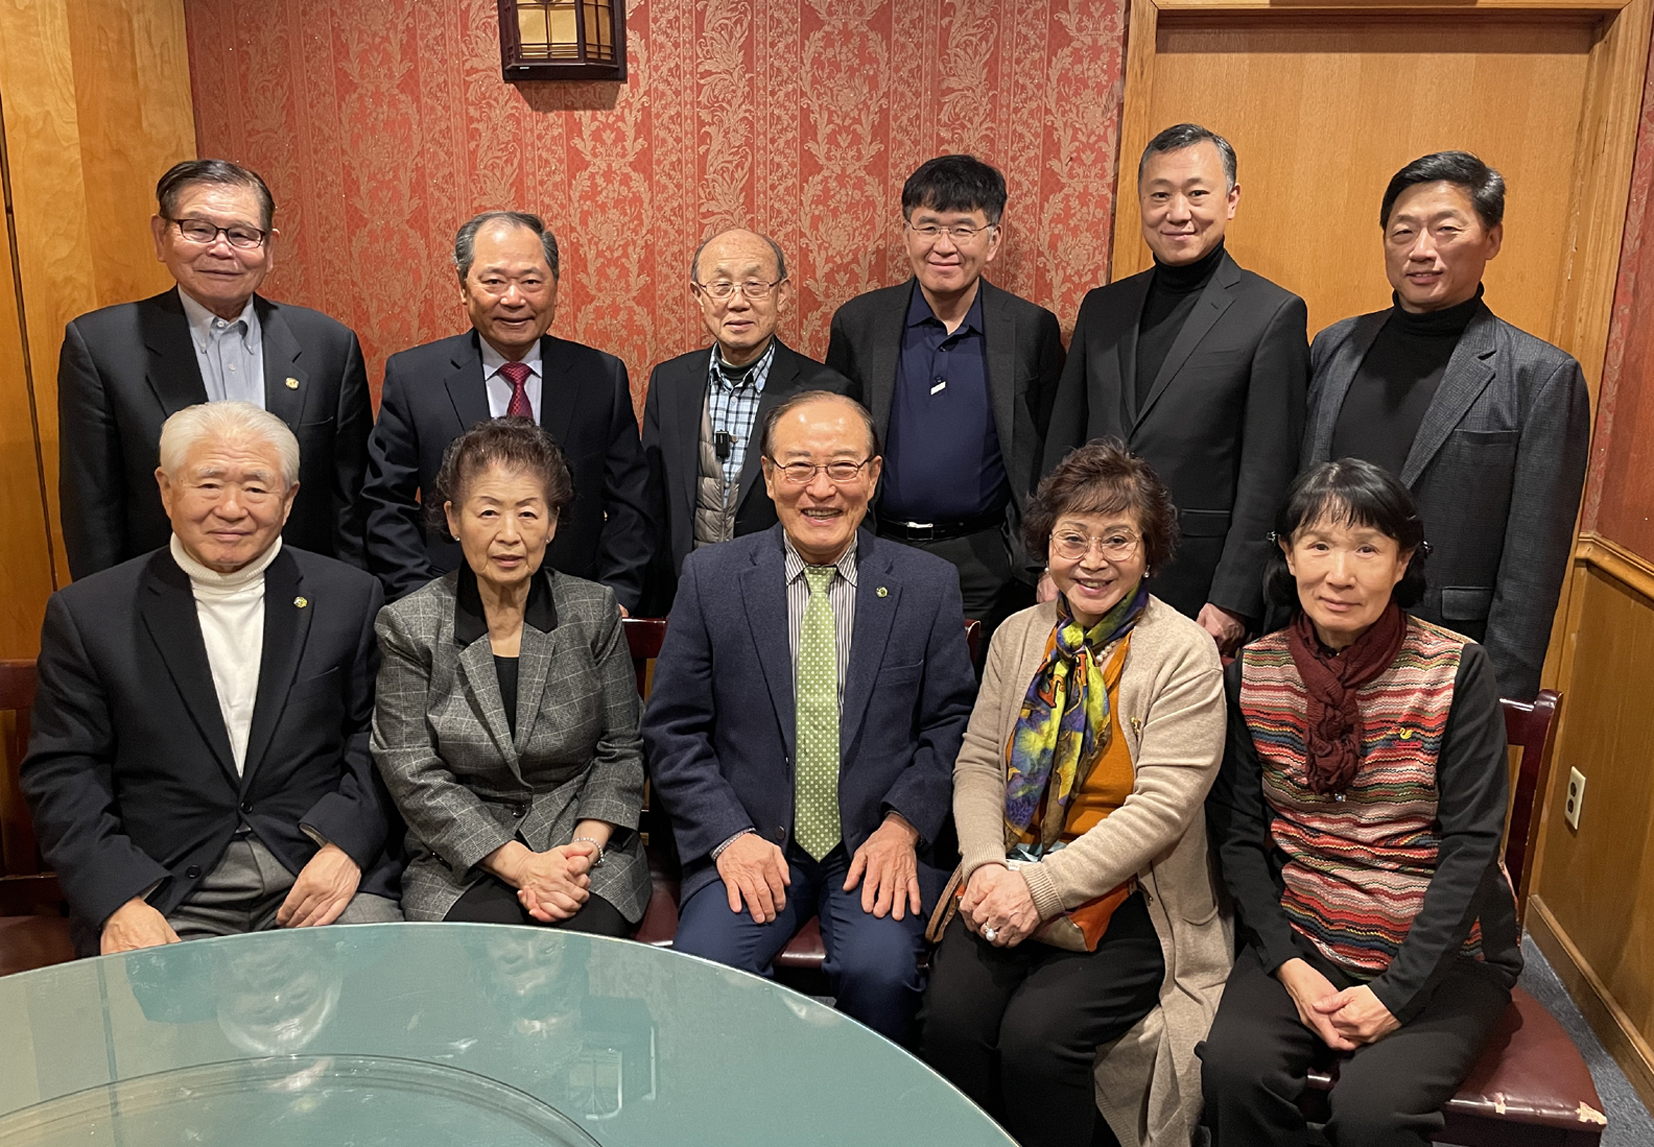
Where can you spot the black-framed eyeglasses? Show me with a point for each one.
(723, 290)
(839, 473)
(202, 232)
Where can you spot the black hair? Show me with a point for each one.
(955, 183)
(220, 171)
(514, 443)
(1351, 492)
(465, 242)
(1182, 135)
(1486, 186)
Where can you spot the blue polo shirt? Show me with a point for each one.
(942, 460)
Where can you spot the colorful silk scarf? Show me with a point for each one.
(1064, 724)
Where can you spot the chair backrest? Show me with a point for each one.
(25, 884)
(644, 635)
(1530, 727)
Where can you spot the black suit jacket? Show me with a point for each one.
(1496, 467)
(1025, 357)
(129, 775)
(434, 393)
(1221, 425)
(125, 369)
(672, 444)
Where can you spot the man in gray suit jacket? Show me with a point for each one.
(1486, 424)
(960, 377)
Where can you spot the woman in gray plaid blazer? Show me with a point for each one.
(506, 725)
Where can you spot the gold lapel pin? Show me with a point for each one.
(292, 384)
(301, 601)
(882, 592)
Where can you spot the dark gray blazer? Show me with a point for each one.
(465, 785)
(126, 369)
(672, 446)
(1025, 357)
(1497, 467)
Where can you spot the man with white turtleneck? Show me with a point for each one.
(198, 764)
(1201, 368)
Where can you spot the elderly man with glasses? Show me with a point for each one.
(704, 407)
(960, 377)
(808, 704)
(125, 369)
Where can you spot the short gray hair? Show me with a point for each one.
(236, 421)
(465, 243)
(1182, 135)
(775, 249)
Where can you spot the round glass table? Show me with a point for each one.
(416, 1034)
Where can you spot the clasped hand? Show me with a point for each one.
(997, 898)
(555, 884)
(1344, 1020)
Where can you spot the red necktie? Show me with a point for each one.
(516, 373)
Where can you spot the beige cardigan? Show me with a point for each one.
(1171, 711)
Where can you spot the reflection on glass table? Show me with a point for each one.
(415, 1034)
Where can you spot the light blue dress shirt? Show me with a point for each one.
(230, 352)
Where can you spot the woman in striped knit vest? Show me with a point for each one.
(1357, 817)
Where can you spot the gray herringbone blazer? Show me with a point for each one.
(464, 785)
(1497, 468)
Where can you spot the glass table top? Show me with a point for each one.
(474, 1034)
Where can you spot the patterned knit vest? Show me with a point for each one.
(1357, 865)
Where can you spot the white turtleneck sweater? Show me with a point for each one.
(231, 611)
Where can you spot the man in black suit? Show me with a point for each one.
(1200, 368)
(959, 376)
(704, 407)
(508, 365)
(198, 764)
(125, 369)
(1489, 426)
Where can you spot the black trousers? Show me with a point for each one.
(1017, 1029)
(991, 588)
(1389, 1093)
(493, 901)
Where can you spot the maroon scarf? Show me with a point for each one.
(1334, 738)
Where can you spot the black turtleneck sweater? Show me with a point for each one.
(1397, 381)
(1173, 293)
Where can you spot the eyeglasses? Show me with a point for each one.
(960, 234)
(202, 232)
(838, 473)
(1116, 546)
(722, 290)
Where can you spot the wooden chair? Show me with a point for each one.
(1531, 1087)
(33, 930)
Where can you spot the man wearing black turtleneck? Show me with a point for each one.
(1487, 425)
(705, 410)
(1200, 368)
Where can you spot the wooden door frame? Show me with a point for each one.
(1602, 182)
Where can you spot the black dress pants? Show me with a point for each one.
(1017, 1029)
(991, 589)
(1389, 1093)
(493, 901)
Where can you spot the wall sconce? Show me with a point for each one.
(563, 39)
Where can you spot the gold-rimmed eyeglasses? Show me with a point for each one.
(1115, 546)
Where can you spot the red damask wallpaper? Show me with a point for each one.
(381, 127)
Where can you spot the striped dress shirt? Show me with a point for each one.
(841, 595)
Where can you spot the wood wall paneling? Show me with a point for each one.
(96, 99)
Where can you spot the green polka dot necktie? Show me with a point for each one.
(815, 810)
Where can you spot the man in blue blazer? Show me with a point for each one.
(808, 705)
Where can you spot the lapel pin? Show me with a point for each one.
(301, 601)
(882, 592)
(292, 384)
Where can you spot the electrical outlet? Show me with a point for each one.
(1576, 797)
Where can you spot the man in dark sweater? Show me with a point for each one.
(1487, 425)
(1200, 368)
